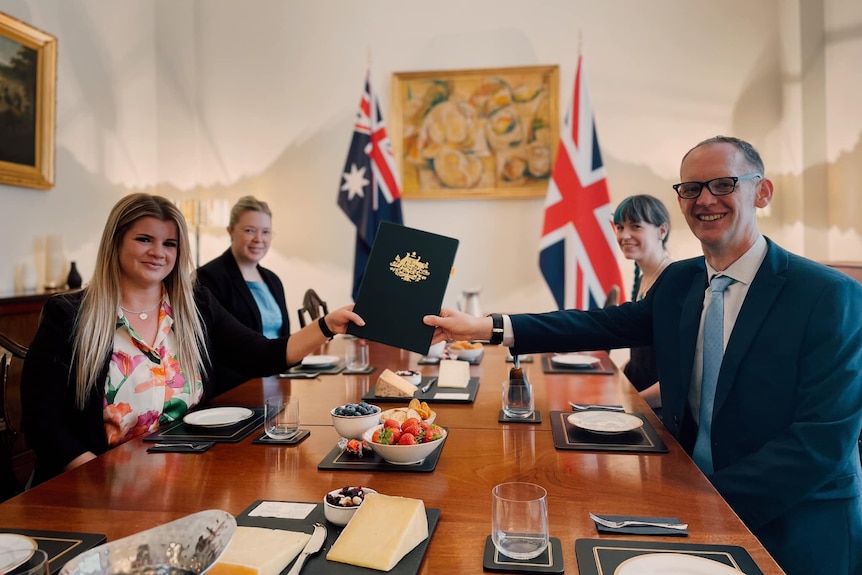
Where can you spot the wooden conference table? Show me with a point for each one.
(128, 490)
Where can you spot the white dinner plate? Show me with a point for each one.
(605, 421)
(217, 416)
(319, 360)
(14, 550)
(673, 564)
(574, 360)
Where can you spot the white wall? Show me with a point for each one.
(218, 98)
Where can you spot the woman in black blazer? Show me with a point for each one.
(251, 293)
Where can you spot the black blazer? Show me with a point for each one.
(57, 431)
(225, 281)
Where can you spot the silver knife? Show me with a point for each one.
(313, 546)
(427, 386)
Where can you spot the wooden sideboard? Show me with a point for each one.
(852, 269)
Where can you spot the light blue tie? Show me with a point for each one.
(713, 352)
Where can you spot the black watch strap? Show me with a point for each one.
(496, 329)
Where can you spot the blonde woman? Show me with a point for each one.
(251, 293)
(133, 350)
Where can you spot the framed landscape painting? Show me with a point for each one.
(28, 76)
(476, 133)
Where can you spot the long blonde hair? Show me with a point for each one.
(96, 322)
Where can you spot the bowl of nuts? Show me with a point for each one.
(352, 419)
(339, 505)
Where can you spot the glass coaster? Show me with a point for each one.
(550, 561)
(535, 418)
(303, 433)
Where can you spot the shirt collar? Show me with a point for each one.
(745, 268)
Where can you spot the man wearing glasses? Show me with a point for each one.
(770, 404)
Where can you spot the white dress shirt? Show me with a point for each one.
(742, 271)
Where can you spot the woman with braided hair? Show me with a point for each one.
(642, 226)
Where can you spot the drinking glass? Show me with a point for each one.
(518, 398)
(36, 564)
(519, 519)
(281, 417)
(356, 354)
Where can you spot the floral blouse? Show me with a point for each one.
(146, 385)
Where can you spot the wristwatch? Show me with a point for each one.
(496, 329)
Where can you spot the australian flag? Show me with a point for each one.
(370, 192)
(578, 249)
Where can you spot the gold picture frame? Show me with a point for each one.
(28, 78)
(481, 133)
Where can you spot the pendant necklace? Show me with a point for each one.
(645, 286)
(141, 314)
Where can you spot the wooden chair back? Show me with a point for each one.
(12, 355)
(312, 306)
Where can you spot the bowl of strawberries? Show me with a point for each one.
(407, 443)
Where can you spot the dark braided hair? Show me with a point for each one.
(642, 208)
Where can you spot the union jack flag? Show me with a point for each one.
(370, 192)
(577, 252)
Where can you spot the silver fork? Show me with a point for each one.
(632, 523)
(189, 445)
(587, 406)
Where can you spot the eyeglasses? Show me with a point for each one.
(252, 232)
(716, 186)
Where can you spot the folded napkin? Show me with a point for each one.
(299, 375)
(642, 529)
(184, 447)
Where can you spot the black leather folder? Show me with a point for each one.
(405, 279)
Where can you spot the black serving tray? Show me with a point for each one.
(317, 564)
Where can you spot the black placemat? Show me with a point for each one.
(298, 438)
(179, 431)
(550, 561)
(333, 369)
(318, 564)
(604, 556)
(61, 546)
(645, 439)
(341, 460)
(428, 396)
(604, 367)
(535, 418)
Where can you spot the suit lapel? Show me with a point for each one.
(689, 324)
(761, 295)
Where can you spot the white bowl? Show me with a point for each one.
(338, 515)
(465, 354)
(403, 454)
(353, 426)
(192, 543)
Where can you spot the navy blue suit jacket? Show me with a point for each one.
(788, 406)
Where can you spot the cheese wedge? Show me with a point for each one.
(383, 530)
(259, 551)
(391, 385)
(453, 373)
